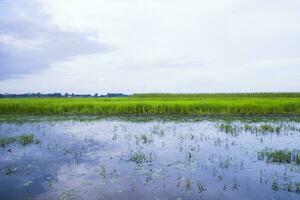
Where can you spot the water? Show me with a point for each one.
(115, 158)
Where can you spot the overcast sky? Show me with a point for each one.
(88, 46)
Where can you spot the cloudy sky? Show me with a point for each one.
(88, 46)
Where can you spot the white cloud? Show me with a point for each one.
(30, 42)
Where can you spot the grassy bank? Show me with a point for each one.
(229, 105)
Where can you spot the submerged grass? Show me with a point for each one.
(141, 158)
(228, 128)
(24, 140)
(219, 105)
(281, 156)
(145, 138)
(6, 141)
(264, 128)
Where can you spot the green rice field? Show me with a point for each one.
(161, 104)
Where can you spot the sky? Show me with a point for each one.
(141, 46)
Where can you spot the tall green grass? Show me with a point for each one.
(214, 95)
(149, 106)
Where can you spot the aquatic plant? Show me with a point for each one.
(115, 136)
(146, 139)
(228, 128)
(234, 129)
(288, 187)
(157, 130)
(69, 194)
(141, 158)
(297, 159)
(235, 184)
(281, 156)
(10, 170)
(263, 128)
(269, 128)
(6, 140)
(27, 139)
(201, 187)
(102, 171)
(188, 184)
(297, 187)
(24, 139)
(275, 185)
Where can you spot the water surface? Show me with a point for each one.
(116, 158)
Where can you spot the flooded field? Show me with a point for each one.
(149, 158)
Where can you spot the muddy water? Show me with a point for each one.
(115, 158)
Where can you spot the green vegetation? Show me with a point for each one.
(145, 138)
(27, 139)
(228, 128)
(268, 128)
(141, 158)
(195, 104)
(281, 156)
(218, 95)
(233, 128)
(157, 130)
(264, 128)
(21, 139)
(6, 141)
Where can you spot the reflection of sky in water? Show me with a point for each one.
(115, 159)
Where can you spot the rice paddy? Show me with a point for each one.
(159, 104)
(151, 146)
(219, 95)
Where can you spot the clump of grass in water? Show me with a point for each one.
(156, 130)
(281, 156)
(24, 140)
(201, 187)
(6, 141)
(234, 129)
(228, 128)
(141, 158)
(146, 139)
(297, 186)
(27, 139)
(265, 128)
(289, 187)
(269, 128)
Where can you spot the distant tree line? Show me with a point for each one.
(58, 95)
